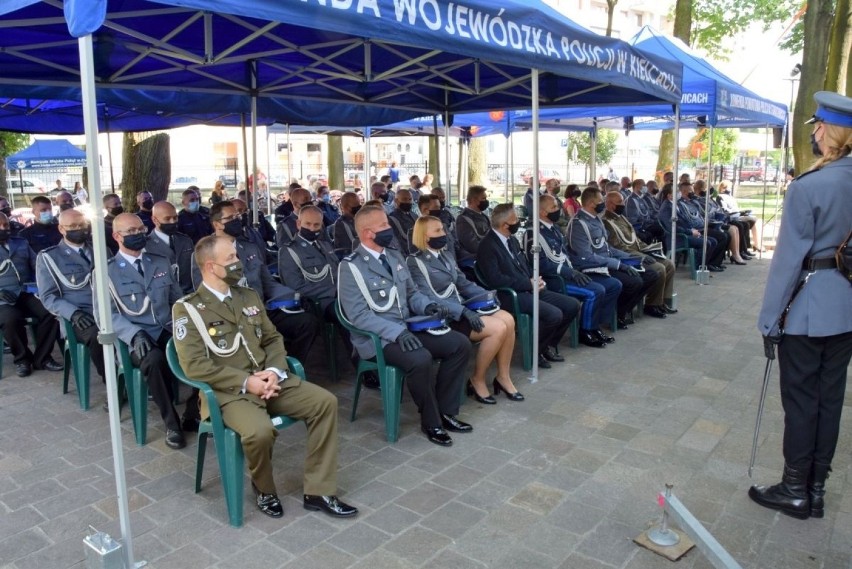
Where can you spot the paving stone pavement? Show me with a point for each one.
(563, 480)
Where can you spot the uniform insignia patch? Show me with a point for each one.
(180, 328)
(382, 293)
(222, 344)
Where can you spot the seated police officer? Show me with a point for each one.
(343, 230)
(254, 234)
(502, 264)
(286, 230)
(17, 303)
(623, 237)
(402, 221)
(688, 209)
(143, 290)
(224, 337)
(472, 224)
(642, 216)
(63, 276)
(587, 241)
(44, 231)
(377, 294)
(599, 298)
(430, 204)
(166, 241)
(113, 208)
(14, 226)
(145, 202)
(191, 222)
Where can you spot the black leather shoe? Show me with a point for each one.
(622, 324)
(451, 423)
(543, 363)
(269, 504)
(437, 435)
(551, 355)
(487, 400)
(330, 505)
(599, 334)
(370, 380)
(629, 319)
(790, 496)
(587, 338)
(516, 396)
(654, 311)
(23, 369)
(51, 365)
(667, 310)
(190, 424)
(175, 439)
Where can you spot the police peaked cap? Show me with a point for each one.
(832, 108)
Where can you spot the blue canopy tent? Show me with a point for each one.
(49, 154)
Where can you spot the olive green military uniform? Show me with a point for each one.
(215, 354)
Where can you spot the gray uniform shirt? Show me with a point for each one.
(58, 298)
(305, 276)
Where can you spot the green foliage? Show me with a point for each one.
(724, 145)
(11, 142)
(607, 145)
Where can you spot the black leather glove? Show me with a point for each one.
(82, 320)
(8, 297)
(580, 278)
(473, 319)
(142, 344)
(408, 341)
(438, 310)
(769, 343)
(629, 270)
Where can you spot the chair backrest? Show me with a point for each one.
(516, 308)
(377, 342)
(203, 388)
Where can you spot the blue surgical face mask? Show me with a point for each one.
(644, 190)
(326, 198)
(192, 206)
(45, 217)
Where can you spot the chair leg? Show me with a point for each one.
(575, 332)
(357, 396)
(199, 459)
(690, 257)
(1, 353)
(138, 405)
(391, 381)
(232, 471)
(81, 375)
(69, 362)
(331, 341)
(525, 339)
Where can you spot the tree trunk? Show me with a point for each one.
(457, 186)
(147, 166)
(814, 55)
(610, 10)
(840, 44)
(477, 173)
(435, 159)
(336, 174)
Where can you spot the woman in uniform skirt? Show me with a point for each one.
(807, 313)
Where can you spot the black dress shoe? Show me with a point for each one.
(451, 423)
(23, 369)
(551, 355)
(330, 505)
(543, 363)
(487, 400)
(516, 396)
(190, 424)
(370, 380)
(51, 365)
(714, 269)
(437, 435)
(622, 324)
(654, 311)
(269, 504)
(175, 439)
(599, 334)
(587, 338)
(665, 308)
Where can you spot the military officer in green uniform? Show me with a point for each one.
(224, 338)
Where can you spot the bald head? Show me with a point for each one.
(128, 226)
(64, 200)
(164, 209)
(74, 227)
(614, 202)
(126, 220)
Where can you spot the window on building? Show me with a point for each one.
(314, 147)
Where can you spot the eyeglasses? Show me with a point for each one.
(229, 218)
(75, 226)
(133, 230)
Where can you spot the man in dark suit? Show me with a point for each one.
(167, 242)
(502, 264)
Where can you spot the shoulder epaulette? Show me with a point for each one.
(351, 256)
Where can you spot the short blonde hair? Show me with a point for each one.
(724, 185)
(418, 234)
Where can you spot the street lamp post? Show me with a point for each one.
(794, 73)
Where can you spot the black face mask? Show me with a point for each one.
(600, 207)
(553, 216)
(483, 205)
(116, 211)
(234, 228)
(147, 204)
(66, 206)
(4, 235)
(619, 209)
(384, 237)
(355, 210)
(654, 191)
(443, 203)
(244, 219)
(386, 198)
(437, 243)
(168, 228)
(513, 228)
(7, 211)
(77, 236)
(406, 207)
(309, 235)
(434, 212)
(815, 145)
(134, 242)
(576, 193)
(691, 195)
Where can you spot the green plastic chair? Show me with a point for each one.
(329, 334)
(391, 379)
(682, 248)
(77, 358)
(523, 322)
(229, 450)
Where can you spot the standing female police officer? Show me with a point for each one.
(815, 337)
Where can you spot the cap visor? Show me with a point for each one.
(811, 120)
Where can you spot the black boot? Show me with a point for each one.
(816, 489)
(790, 496)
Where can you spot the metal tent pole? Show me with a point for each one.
(368, 190)
(535, 217)
(449, 188)
(675, 164)
(593, 167)
(255, 182)
(289, 159)
(763, 206)
(701, 275)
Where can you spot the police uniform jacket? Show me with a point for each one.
(111, 243)
(309, 268)
(17, 265)
(64, 280)
(40, 236)
(685, 223)
(653, 204)
(179, 254)
(146, 218)
(440, 279)
(621, 234)
(382, 288)
(555, 242)
(402, 223)
(151, 296)
(286, 230)
(638, 211)
(471, 228)
(194, 225)
(263, 347)
(817, 218)
(15, 227)
(344, 235)
(587, 240)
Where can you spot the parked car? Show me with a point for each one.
(543, 176)
(230, 180)
(751, 174)
(30, 186)
(183, 182)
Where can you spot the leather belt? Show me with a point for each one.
(811, 264)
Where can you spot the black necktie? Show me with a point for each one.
(85, 257)
(172, 242)
(138, 263)
(385, 263)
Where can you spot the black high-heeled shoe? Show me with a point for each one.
(487, 400)
(735, 262)
(516, 396)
